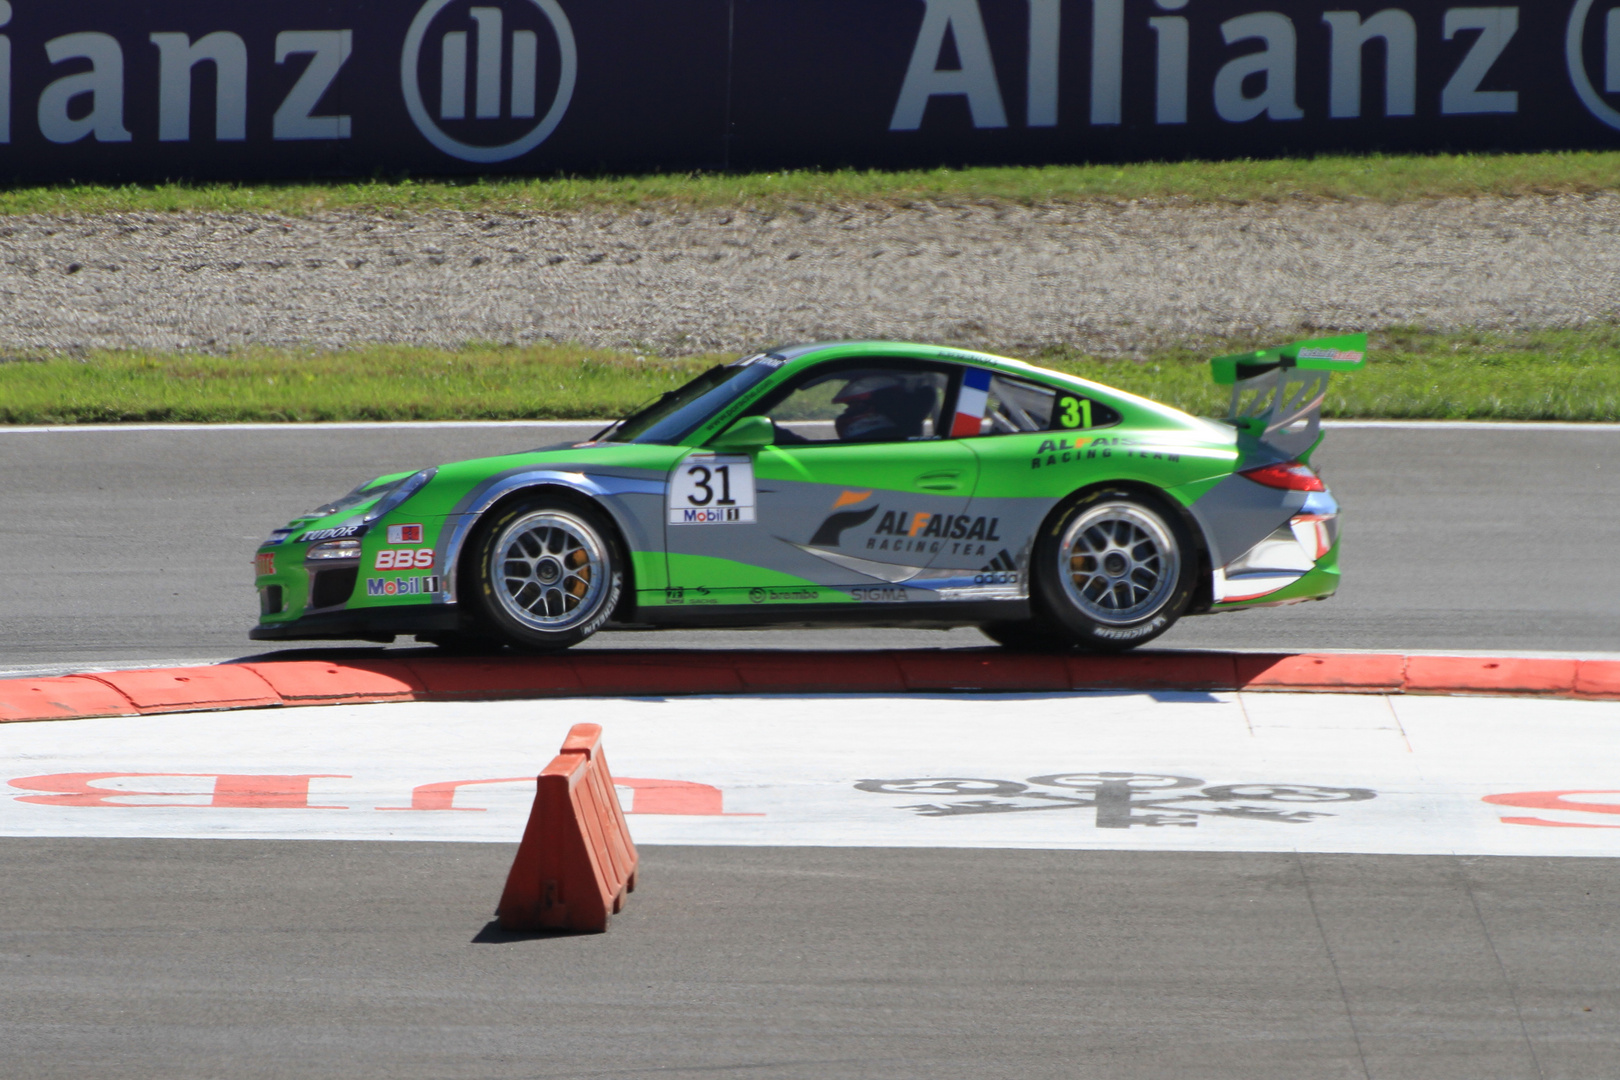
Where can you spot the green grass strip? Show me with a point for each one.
(1540, 375)
(1387, 178)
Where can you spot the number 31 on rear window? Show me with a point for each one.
(1072, 412)
(712, 489)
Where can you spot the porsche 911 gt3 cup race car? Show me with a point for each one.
(868, 483)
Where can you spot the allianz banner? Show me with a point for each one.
(111, 90)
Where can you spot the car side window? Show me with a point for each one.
(871, 403)
(1016, 405)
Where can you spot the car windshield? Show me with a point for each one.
(673, 415)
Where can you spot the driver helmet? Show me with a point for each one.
(878, 407)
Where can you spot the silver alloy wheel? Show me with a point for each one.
(549, 570)
(1119, 563)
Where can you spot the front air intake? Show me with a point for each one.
(330, 588)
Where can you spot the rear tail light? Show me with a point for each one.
(1287, 475)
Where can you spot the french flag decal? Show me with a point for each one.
(970, 403)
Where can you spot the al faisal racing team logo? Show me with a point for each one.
(476, 74)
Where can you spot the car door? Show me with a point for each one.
(855, 499)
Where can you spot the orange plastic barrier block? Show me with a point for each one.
(576, 861)
(1487, 675)
(310, 682)
(1152, 671)
(1374, 673)
(60, 699)
(528, 676)
(1598, 678)
(991, 670)
(223, 686)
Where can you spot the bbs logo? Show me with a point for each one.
(488, 80)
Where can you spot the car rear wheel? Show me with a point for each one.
(548, 573)
(1113, 570)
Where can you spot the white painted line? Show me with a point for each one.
(1477, 425)
(85, 667)
(1205, 772)
(1412, 425)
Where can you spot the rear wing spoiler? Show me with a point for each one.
(1277, 393)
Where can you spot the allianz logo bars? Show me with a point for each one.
(453, 69)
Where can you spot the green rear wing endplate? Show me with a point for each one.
(1277, 394)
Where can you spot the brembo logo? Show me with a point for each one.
(511, 57)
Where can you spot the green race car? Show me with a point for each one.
(867, 483)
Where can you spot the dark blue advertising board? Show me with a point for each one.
(112, 90)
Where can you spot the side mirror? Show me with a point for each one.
(749, 433)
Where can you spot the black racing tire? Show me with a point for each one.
(546, 572)
(1112, 570)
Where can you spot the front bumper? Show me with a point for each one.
(372, 624)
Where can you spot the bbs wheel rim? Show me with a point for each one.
(549, 570)
(1119, 563)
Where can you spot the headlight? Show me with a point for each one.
(391, 501)
(335, 549)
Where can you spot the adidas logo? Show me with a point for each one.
(1001, 570)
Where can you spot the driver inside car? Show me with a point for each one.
(882, 408)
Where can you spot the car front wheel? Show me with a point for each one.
(1115, 569)
(548, 574)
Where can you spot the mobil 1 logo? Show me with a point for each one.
(488, 80)
(712, 489)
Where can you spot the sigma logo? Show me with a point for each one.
(1602, 46)
(879, 595)
(499, 51)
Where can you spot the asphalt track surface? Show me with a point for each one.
(130, 545)
(202, 959)
(183, 958)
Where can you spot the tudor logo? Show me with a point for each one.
(497, 53)
(1575, 54)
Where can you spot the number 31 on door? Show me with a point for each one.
(712, 489)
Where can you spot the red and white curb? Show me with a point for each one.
(658, 673)
(1172, 770)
